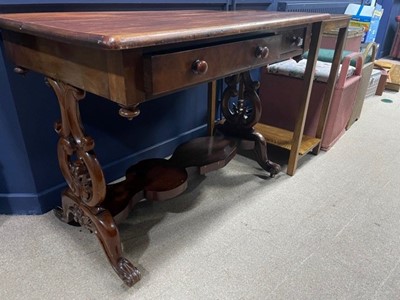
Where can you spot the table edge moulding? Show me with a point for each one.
(130, 57)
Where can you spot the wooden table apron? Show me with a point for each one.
(131, 57)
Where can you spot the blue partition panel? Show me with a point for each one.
(387, 26)
(251, 4)
(327, 6)
(77, 5)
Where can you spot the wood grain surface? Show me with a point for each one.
(133, 29)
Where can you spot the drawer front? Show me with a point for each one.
(294, 41)
(168, 72)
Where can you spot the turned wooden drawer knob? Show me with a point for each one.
(297, 41)
(262, 52)
(199, 67)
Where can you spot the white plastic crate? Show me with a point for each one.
(373, 83)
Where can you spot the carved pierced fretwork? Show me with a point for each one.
(77, 159)
(241, 108)
(79, 217)
(246, 111)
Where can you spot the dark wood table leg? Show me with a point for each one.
(83, 199)
(242, 114)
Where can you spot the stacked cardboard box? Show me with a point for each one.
(366, 17)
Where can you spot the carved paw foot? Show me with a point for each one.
(127, 272)
(272, 168)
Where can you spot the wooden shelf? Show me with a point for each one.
(284, 138)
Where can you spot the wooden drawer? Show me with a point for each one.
(171, 71)
(295, 40)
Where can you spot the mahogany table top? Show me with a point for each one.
(134, 29)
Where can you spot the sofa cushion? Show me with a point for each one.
(327, 55)
(296, 69)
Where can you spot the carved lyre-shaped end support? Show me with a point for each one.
(75, 150)
(81, 202)
(243, 113)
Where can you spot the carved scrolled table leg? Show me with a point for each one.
(241, 115)
(81, 202)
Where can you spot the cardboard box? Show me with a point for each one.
(367, 17)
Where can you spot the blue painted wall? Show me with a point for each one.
(16, 178)
(23, 129)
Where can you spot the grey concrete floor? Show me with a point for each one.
(332, 231)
